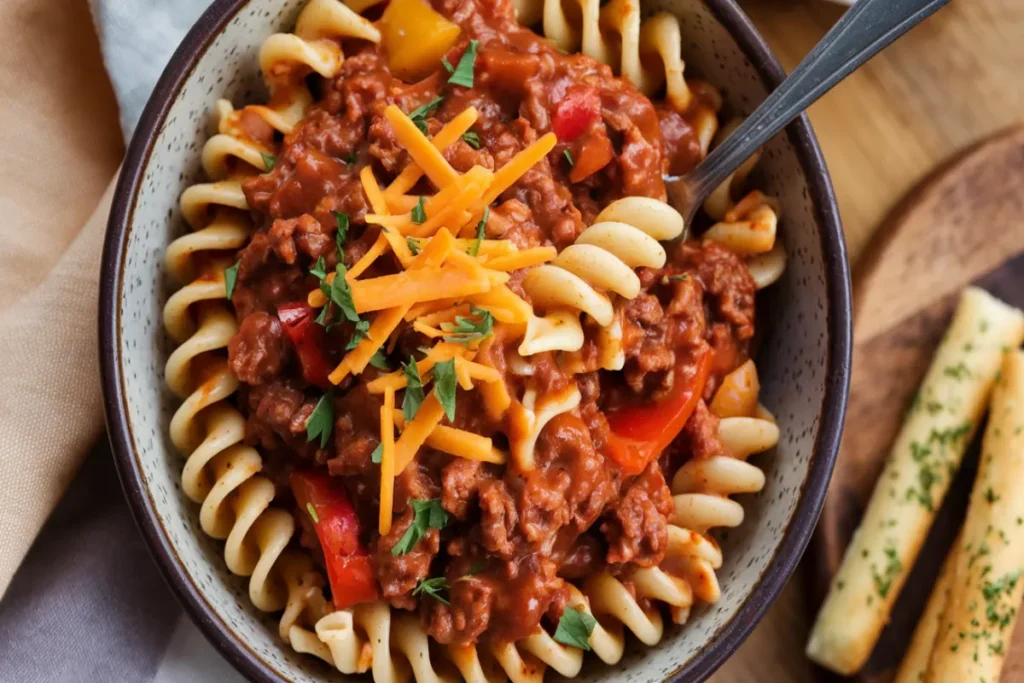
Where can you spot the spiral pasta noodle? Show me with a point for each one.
(747, 226)
(221, 473)
(600, 264)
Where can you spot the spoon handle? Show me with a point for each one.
(864, 30)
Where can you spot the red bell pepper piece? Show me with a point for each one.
(639, 433)
(309, 341)
(574, 113)
(337, 527)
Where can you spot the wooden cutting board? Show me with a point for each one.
(964, 224)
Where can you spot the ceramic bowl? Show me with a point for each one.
(803, 360)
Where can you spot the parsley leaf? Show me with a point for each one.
(340, 293)
(378, 361)
(413, 390)
(682, 277)
(426, 514)
(319, 269)
(340, 237)
(321, 420)
(475, 567)
(465, 330)
(269, 160)
(323, 319)
(230, 278)
(360, 333)
(352, 158)
(447, 65)
(464, 71)
(312, 513)
(472, 139)
(432, 587)
(444, 386)
(474, 248)
(419, 114)
(568, 157)
(378, 453)
(414, 246)
(574, 628)
(419, 212)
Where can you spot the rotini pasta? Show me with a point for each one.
(625, 236)
(401, 259)
(221, 472)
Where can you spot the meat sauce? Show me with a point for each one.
(515, 538)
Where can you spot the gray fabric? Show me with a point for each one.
(88, 603)
(138, 38)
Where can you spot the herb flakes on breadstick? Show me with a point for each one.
(917, 474)
(978, 619)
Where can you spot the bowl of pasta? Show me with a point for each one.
(411, 372)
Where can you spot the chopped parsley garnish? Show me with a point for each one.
(352, 158)
(380, 361)
(475, 567)
(681, 278)
(990, 495)
(463, 74)
(568, 157)
(341, 236)
(340, 293)
(230, 278)
(465, 330)
(419, 212)
(321, 420)
(378, 454)
(474, 248)
(444, 386)
(319, 269)
(993, 591)
(574, 628)
(414, 246)
(893, 567)
(419, 114)
(312, 513)
(957, 372)
(472, 139)
(360, 333)
(413, 390)
(269, 160)
(426, 514)
(323, 318)
(432, 587)
(447, 65)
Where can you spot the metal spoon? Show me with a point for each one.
(863, 31)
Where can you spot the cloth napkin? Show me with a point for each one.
(86, 604)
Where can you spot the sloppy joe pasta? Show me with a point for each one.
(443, 345)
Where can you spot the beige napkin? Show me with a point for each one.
(59, 148)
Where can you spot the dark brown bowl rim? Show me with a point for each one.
(837, 377)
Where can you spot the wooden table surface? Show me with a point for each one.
(948, 83)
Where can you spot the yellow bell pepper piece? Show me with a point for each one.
(415, 37)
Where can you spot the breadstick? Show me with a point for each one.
(977, 622)
(915, 661)
(923, 460)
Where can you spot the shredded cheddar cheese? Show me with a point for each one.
(397, 380)
(416, 432)
(440, 278)
(460, 443)
(387, 461)
(445, 138)
(521, 259)
(426, 155)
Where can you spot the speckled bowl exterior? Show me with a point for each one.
(803, 360)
